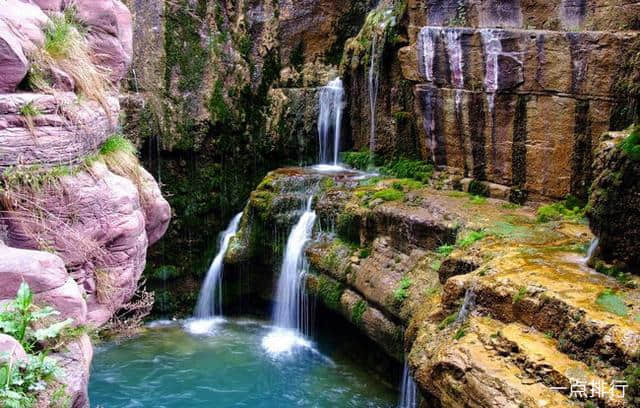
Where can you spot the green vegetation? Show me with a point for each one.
(388, 194)
(570, 209)
(400, 293)
(478, 200)
(478, 188)
(358, 311)
(632, 377)
(329, 291)
(408, 169)
(364, 253)
(348, 227)
(445, 250)
(631, 144)
(460, 333)
(624, 278)
(471, 238)
(517, 297)
(166, 272)
(21, 381)
(30, 110)
(361, 160)
(117, 143)
(612, 303)
(58, 37)
(447, 321)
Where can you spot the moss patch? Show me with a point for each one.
(358, 311)
(612, 303)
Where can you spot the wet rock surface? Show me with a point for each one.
(500, 311)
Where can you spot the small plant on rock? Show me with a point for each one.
(400, 293)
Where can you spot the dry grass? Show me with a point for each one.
(130, 317)
(67, 50)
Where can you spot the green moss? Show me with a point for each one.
(478, 200)
(460, 333)
(408, 169)
(400, 293)
(447, 321)
(330, 292)
(407, 184)
(622, 277)
(389, 194)
(631, 145)
(358, 311)
(218, 107)
(165, 272)
(328, 183)
(470, 238)
(348, 227)
(364, 253)
(296, 59)
(612, 303)
(517, 298)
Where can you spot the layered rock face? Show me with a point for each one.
(517, 93)
(491, 307)
(77, 215)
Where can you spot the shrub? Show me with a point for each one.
(21, 381)
(389, 195)
(22, 320)
(568, 209)
(361, 160)
(631, 144)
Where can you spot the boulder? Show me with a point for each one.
(110, 36)
(11, 347)
(47, 277)
(12, 59)
(26, 21)
(105, 247)
(157, 212)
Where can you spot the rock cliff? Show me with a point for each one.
(78, 212)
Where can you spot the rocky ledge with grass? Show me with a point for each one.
(491, 302)
(78, 212)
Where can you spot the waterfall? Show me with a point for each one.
(456, 64)
(373, 92)
(426, 52)
(409, 390)
(330, 118)
(290, 314)
(492, 50)
(468, 305)
(592, 249)
(208, 304)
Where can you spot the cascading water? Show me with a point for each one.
(592, 249)
(426, 48)
(409, 390)
(456, 64)
(373, 91)
(330, 118)
(290, 315)
(468, 305)
(210, 305)
(492, 50)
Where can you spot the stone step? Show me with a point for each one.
(467, 366)
(594, 318)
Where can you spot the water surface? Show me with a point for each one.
(227, 367)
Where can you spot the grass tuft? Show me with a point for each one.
(400, 293)
(389, 194)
